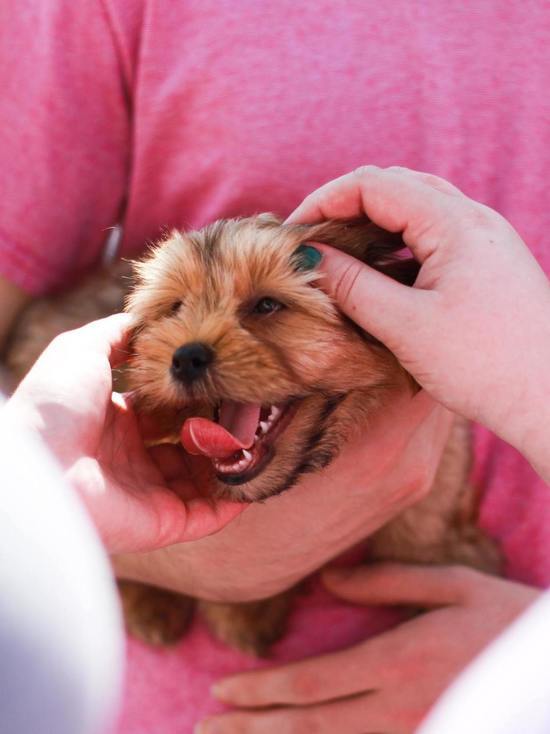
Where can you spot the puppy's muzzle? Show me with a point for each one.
(191, 361)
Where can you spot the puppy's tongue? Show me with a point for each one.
(236, 430)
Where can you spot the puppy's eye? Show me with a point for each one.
(267, 305)
(174, 308)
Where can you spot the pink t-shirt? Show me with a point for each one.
(158, 114)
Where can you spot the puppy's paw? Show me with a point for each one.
(250, 627)
(153, 615)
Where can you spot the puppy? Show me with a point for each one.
(238, 353)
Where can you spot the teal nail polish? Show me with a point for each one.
(306, 257)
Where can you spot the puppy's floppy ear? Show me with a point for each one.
(366, 241)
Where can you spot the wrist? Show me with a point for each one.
(527, 425)
(533, 441)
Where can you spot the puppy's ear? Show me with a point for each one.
(366, 241)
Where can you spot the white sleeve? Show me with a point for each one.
(507, 689)
(61, 644)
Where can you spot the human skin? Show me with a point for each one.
(138, 498)
(467, 251)
(475, 329)
(275, 544)
(475, 273)
(386, 683)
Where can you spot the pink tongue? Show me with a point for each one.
(236, 430)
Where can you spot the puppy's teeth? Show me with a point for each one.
(275, 413)
(264, 426)
(247, 455)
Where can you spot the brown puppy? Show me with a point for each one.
(228, 323)
(269, 380)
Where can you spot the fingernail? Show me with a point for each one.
(216, 690)
(221, 690)
(307, 257)
(207, 726)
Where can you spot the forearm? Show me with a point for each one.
(531, 432)
(525, 424)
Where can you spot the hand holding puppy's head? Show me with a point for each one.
(231, 328)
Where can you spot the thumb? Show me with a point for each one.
(401, 584)
(378, 304)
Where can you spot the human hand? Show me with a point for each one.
(275, 544)
(475, 329)
(139, 498)
(389, 682)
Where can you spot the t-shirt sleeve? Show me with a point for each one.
(64, 139)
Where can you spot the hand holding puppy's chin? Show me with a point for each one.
(373, 479)
(138, 498)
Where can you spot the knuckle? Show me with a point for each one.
(438, 183)
(304, 685)
(398, 169)
(346, 282)
(310, 199)
(478, 216)
(60, 340)
(363, 171)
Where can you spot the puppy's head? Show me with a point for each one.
(231, 329)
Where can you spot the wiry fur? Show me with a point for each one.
(308, 351)
(201, 287)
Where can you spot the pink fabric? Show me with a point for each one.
(168, 692)
(173, 114)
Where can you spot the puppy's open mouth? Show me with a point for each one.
(240, 441)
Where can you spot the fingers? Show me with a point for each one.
(374, 664)
(190, 477)
(340, 198)
(164, 518)
(394, 583)
(110, 334)
(430, 179)
(364, 714)
(206, 517)
(171, 460)
(310, 681)
(398, 200)
(374, 301)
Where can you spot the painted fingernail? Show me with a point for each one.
(307, 257)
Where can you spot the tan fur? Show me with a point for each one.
(202, 287)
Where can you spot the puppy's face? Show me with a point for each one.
(231, 328)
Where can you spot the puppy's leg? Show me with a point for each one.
(153, 615)
(251, 627)
(442, 529)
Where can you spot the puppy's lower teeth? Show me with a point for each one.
(264, 426)
(275, 413)
(247, 455)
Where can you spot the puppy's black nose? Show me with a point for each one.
(191, 361)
